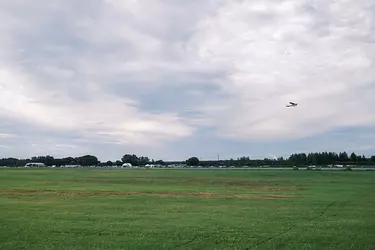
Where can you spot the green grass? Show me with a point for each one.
(186, 209)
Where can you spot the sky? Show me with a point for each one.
(171, 79)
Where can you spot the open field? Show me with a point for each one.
(186, 209)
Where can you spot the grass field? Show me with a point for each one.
(186, 209)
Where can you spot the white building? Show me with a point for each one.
(35, 165)
(127, 165)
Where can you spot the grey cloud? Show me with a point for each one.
(323, 73)
(157, 71)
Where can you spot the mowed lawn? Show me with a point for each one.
(186, 209)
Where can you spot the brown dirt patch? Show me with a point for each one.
(34, 170)
(65, 192)
(275, 188)
(208, 195)
(205, 195)
(228, 195)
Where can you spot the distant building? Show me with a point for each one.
(127, 165)
(35, 165)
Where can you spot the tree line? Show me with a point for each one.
(86, 160)
(322, 158)
(302, 159)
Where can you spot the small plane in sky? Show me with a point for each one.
(291, 104)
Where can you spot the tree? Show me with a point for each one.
(49, 160)
(297, 159)
(132, 159)
(314, 159)
(159, 162)
(11, 162)
(361, 159)
(242, 161)
(87, 160)
(70, 161)
(353, 157)
(192, 161)
(343, 157)
(143, 160)
(364, 159)
(135, 160)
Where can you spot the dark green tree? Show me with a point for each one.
(159, 162)
(132, 159)
(87, 160)
(143, 160)
(49, 160)
(192, 161)
(353, 157)
(343, 157)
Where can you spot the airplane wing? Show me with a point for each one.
(292, 103)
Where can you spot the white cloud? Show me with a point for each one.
(4, 135)
(279, 51)
(59, 60)
(103, 115)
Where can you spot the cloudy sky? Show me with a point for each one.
(171, 79)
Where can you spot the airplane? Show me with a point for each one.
(291, 104)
